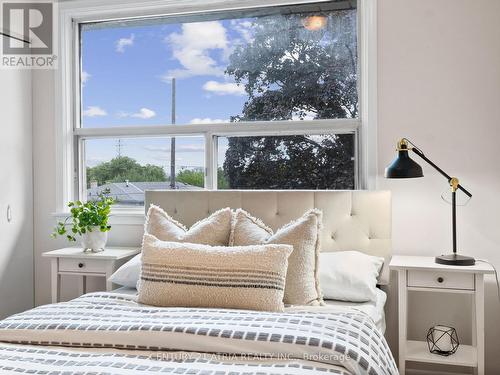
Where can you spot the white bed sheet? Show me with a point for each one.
(374, 309)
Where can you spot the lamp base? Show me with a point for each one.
(455, 260)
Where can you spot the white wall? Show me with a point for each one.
(16, 250)
(439, 84)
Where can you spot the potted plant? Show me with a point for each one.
(88, 220)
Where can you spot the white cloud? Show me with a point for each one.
(144, 113)
(207, 120)
(124, 42)
(94, 111)
(85, 77)
(244, 28)
(192, 47)
(224, 88)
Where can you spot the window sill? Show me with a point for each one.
(132, 217)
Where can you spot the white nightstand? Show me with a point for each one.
(422, 274)
(73, 261)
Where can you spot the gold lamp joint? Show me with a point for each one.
(454, 184)
(403, 145)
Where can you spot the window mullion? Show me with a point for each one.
(209, 157)
(240, 129)
(80, 170)
(215, 162)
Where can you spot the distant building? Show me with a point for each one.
(132, 193)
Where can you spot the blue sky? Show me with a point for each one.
(126, 74)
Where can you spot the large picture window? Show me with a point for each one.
(246, 99)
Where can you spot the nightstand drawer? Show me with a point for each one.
(439, 279)
(81, 265)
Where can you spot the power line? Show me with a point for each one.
(119, 147)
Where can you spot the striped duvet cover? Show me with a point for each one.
(109, 333)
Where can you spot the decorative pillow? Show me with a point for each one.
(194, 275)
(349, 275)
(128, 274)
(302, 282)
(213, 230)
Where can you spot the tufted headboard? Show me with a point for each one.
(352, 220)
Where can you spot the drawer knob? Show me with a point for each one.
(440, 279)
(81, 265)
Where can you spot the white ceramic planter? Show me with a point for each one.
(94, 241)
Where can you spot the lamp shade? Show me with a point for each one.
(403, 167)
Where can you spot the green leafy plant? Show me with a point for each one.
(85, 217)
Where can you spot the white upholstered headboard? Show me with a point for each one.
(352, 220)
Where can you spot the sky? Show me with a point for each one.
(126, 81)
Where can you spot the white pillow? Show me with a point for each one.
(213, 230)
(183, 274)
(302, 284)
(349, 275)
(128, 274)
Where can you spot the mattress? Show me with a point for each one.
(374, 309)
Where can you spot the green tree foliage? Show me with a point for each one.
(123, 168)
(291, 72)
(190, 177)
(196, 178)
(222, 182)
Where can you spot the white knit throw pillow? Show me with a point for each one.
(194, 275)
(213, 230)
(302, 280)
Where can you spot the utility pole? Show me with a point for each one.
(172, 140)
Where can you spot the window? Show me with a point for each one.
(126, 168)
(287, 162)
(253, 99)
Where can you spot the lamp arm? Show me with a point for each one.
(13, 37)
(417, 151)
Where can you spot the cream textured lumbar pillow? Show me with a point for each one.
(213, 230)
(302, 280)
(194, 275)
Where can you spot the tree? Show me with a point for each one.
(222, 182)
(190, 177)
(290, 72)
(122, 168)
(197, 178)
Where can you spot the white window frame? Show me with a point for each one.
(69, 163)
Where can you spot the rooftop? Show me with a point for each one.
(132, 193)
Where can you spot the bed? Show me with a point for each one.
(110, 333)
(374, 309)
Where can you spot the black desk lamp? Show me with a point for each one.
(404, 167)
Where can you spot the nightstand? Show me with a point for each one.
(422, 274)
(73, 261)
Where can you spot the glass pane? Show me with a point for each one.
(286, 162)
(285, 63)
(130, 166)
